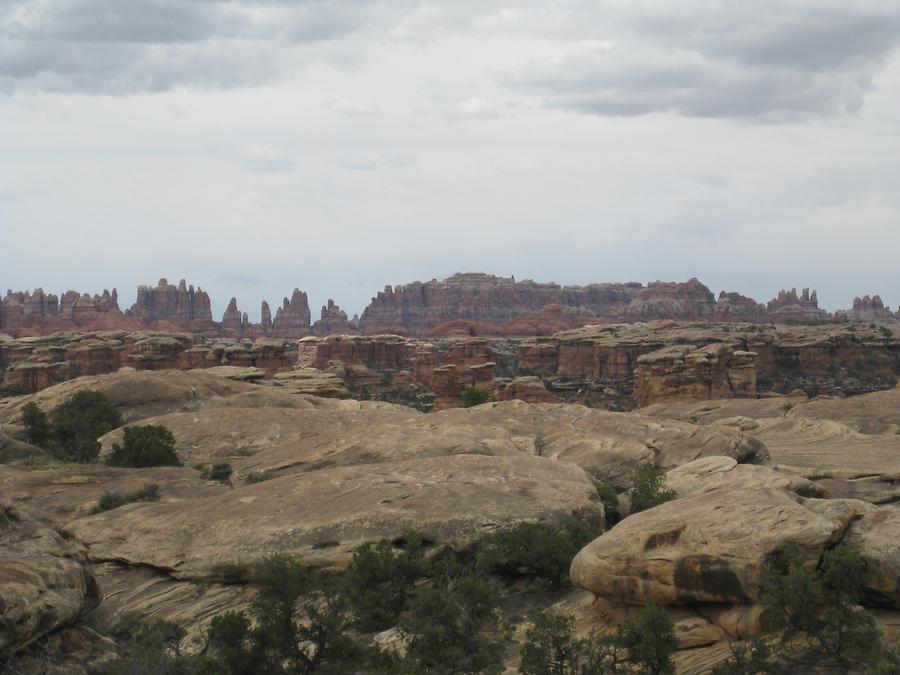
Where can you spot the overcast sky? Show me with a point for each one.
(252, 146)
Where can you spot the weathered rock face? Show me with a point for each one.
(711, 546)
(180, 305)
(32, 364)
(596, 364)
(737, 308)
(333, 321)
(265, 319)
(418, 307)
(37, 313)
(452, 500)
(292, 318)
(685, 373)
(529, 389)
(448, 383)
(689, 300)
(232, 319)
(866, 309)
(44, 581)
(877, 538)
(788, 307)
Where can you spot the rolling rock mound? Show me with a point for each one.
(342, 472)
(45, 583)
(851, 447)
(705, 553)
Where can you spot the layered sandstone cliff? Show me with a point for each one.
(867, 309)
(689, 373)
(418, 307)
(333, 321)
(788, 307)
(181, 305)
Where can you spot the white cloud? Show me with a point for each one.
(345, 106)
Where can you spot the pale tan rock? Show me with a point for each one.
(322, 516)
(45, 584)
(714, 473)
(711, 547)
(314, 382)
(696, 632)
(529, 389)
(876, 536)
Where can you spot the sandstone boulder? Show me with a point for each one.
(529, 389)
(711, 547)
(876, 536)
(44, 581)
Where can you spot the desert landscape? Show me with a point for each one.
(657, 454)
(449, 337)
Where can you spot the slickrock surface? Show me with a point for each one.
(848, 446)
(711, 545)
(322, 516)
(45, 583)
(877, 538)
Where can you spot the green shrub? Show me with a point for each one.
(649, 489)
(218, 472)
(532, 549)
(453, 627)
(259, 476)
(149, 492)
(79, 421)
(610, 500)
(650, 640)
(379, 579)
(748, 658)
(109, 501)
(37, 426)
(550, 648)
(824, 604)
(472, 396)
(144, 446)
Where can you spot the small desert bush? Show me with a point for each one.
(536, 550)
(649, 489)
(220, 473)
(74, 426)
(259, 477)
(145, 446)
(149, 492)
(473, 396)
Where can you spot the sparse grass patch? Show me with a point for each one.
(149, 492)
(259, 476)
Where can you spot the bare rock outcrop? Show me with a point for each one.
(529, 389)
(713, 545)
(180, 305)
(292, 318)
(685, 373)
(876, 536)
(419, 307)
(45, 583)
(451, 500)
(232, 320)
(788, 307)
(690, 300)
(735, 308)
(870, 309)
(333, 321)
(37, 313)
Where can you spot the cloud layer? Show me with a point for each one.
(252, 146)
